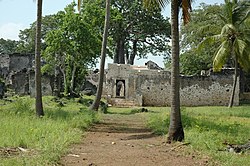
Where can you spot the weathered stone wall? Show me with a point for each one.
(19, 82)
(215, 89)
(46, 84)
(4, 65)
(15, 63)
(153, 87)
(17, 71)
(20, 62)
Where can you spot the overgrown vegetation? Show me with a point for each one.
(45, 139)
(207, 128)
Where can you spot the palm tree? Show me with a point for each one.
(39, 103)
(234, 39)
(175, 132)
(97, 100)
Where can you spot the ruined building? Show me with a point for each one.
(128, 85)
(17, 70)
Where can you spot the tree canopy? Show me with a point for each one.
(72, 47)
(133, 30)
(203, 23)
(26, 43)
(8, 46)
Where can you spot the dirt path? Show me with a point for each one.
(123, 140)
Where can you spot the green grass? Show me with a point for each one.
(47, 138)
(207, 128)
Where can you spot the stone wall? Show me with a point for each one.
(18, 74)
(20, 62)
(14, 63)
(4, 65)
(46, 85)
(19, 82)
(152, 87)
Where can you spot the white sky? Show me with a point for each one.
(16, 15)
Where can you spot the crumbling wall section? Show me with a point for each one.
(210, 90)
(154, 87)
(4, 65)
(46, 84)
(20, 62)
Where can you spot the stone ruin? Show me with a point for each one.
(17, 71)
(128, 85)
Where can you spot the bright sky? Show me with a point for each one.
(16, 15)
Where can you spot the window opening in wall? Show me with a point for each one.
(120, 88)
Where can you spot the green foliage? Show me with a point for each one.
(8, 46)
(72, 47)
(202, 25)
(232, 39)
(45, 138)
(207, 128)
(130, 24)
(26, 44)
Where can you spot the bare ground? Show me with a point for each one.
(123, 140)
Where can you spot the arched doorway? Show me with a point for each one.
(120, 88)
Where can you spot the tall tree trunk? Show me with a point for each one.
(127, 56)
(39, 104)
(116, 57)
(56, 91)
(65, 82)
(121, 52)
(175, 132)
(231, 102)
(97, 100)
(132, 56)
(72, 82)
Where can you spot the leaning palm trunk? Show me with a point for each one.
(231, 102)
(39, 105)
(97, 100)
(175, 132)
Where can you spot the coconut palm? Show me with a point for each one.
(97, 100)
(234, 39)
(175, 132)
(39, 104)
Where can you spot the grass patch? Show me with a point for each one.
(207, 128)
(46, 138)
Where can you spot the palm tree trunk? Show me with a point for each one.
(231, 102)
(39, 105)
(175, 132)
(97, 100)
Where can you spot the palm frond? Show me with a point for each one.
(152, 4)
(228, 11)
(228, 29)
(242, 50)
(221, 55)
(239, 47)
(186, 9)
(208, 41)
(240, 12)
(222, 17)
(207, 28)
